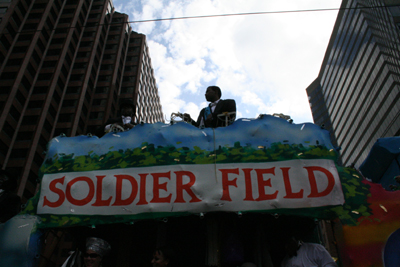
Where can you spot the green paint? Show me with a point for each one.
(148, 155)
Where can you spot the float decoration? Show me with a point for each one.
(259, 163)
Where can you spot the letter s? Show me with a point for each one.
(59, 192)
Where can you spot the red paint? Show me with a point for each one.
(226, 182)
(157, 186)
(263, 183)
(59, 192)
(87, 199)
(313, 182)
(187, 187)
(248, 186)
(118, 198)
(288, 186)
(142, 196)
(99, 201)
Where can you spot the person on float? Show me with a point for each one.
(120, 123)
(208, 116)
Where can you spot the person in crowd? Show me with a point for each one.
(10, 202)
(96, 249)
(120, 123)
(303, 254)
(208, 116)
(395, 187)
(163, 257)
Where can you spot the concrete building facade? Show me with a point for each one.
(356, 94)
(64, 67)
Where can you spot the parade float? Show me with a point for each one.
(224, 195)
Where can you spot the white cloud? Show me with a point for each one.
(265, 62)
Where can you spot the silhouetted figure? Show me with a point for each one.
(208, 116)
(10, 202)
(121, 123)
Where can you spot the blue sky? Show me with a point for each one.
(265, 62)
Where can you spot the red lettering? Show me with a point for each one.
(187, 187)
(59, 192)
(85, 200)
(118, 197)
(263, 183)
(99, 193)
(313, 181)
(142, 195)
(288, 186)
(226, 183)
(248, 186)
(157, 187)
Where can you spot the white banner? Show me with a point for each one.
(193, 188)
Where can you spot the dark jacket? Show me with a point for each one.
(227, 105)
(100, 131)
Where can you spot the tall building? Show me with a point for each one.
(356, 94)
(64, 67)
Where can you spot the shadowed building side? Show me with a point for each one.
(357, 91)
(65, 65)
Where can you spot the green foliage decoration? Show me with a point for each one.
(146, 155)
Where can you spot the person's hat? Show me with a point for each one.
(98, 245)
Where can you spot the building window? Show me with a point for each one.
(47, 126)
(8, 75)
(115, 28)
(4, 41)
(36, 57)
(19, 153)
(77, 77)
(97, 7)
(61, 30)
(127, 90)
(45, 76)
(109, 56)
(129, 79)
(82, 54)
(38, 159)
(20, 98)
(106, 67)
(111, 46)
(53, 52)
(105, 78)
(69, 103)
(20, 49)
(102, 90)
(30, 26)
(39, 5)
(40, 90)
(66, 117)
(30, 120)
(49, 64)
(96, 115)
(86, 44)
(137, 41)
(8, 129)
(24, 136)
(78, 65)
(73, 89)
(25, 37)
(57, 41)
(99, 102)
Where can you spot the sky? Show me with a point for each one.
(265, 62)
